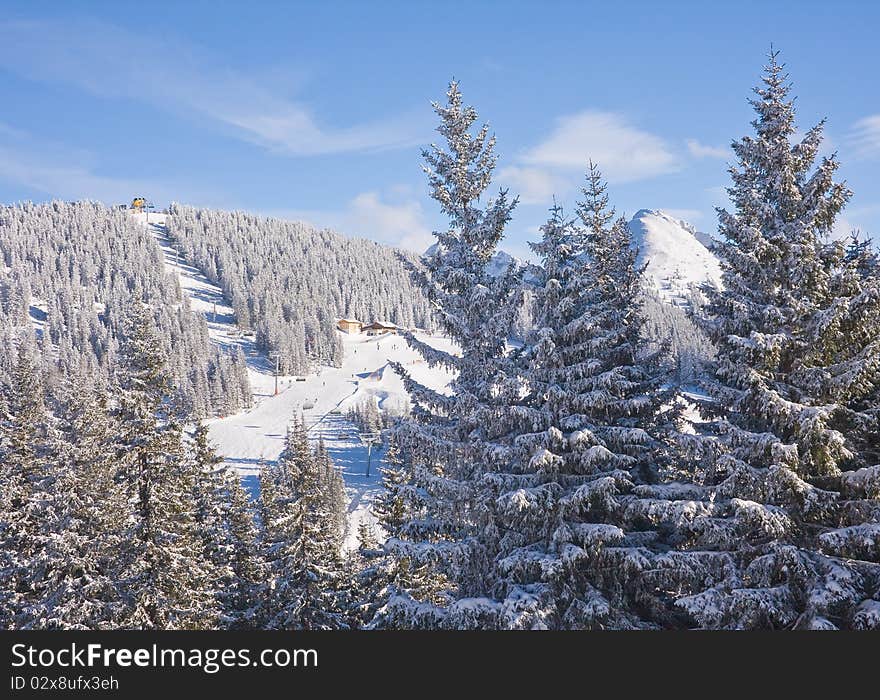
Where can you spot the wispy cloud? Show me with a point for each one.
(624, 153)
(392, 218)
(699, 150)
(865, 136)
(536, 185)
(58, 172)
(401, 224)
(110, 61)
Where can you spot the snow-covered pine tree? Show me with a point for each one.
(788, 499)
(226, 528)
(301, 539)
(273, 542)
(598, 415)
(366, 536)
(387, 574)
(241, 600)
(455, 441)
(333, 488)
(211, 499)
(77, 589)
(390, 506)
(28, 455)
(363, 576)
(163, 570)
(845, 340)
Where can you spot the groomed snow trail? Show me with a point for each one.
(246, 439)
(256, 435)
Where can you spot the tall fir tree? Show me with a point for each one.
(211, 499)
(597, 416)
(29, 451)
(301, 538)
(242, 598)
(786, 491)
(77, 589)
(388, 583)
(164, 571)
(456, 441)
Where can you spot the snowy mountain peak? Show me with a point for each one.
(674, 252)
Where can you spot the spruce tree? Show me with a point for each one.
(785, 493)
(163, 571)
(456, 441)
(212, 510)
(29, 451)
(242, 597)
(302, 538)
(392, 588)
(77, 589)
(595, 419)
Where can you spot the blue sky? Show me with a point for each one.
(317, 111)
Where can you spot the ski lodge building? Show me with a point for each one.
(349, 325)
(380, 327)
(353, 326)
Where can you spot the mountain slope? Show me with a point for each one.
(289, 282)
(676, 254)
(74, 272)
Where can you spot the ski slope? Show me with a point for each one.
(256, 435)
(207, 298)
(247, 439)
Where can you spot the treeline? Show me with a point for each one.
(69, 275)
(370, 419)
(290, 282)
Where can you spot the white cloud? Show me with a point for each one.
(623, 152)
(865, 136)
(401, 225)
(390, 220)
(699, 150)
(109, 61)
(533, 185)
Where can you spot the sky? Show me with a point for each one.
(318, 111)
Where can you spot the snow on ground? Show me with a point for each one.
(38, 314)
(322, 399)
(246, 439)
(207, 299)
